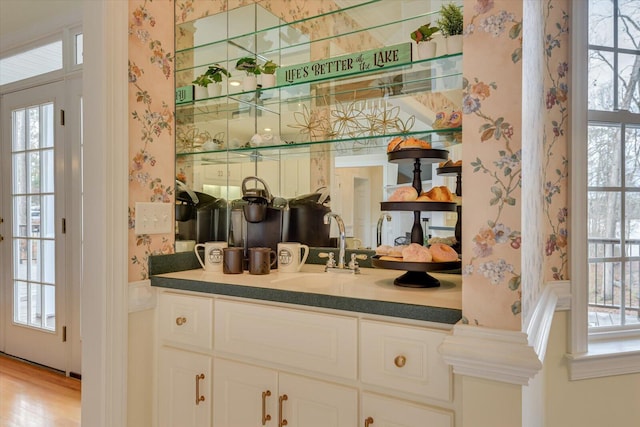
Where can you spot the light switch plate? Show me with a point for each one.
(154, 218)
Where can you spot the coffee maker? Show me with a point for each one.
(258, 219)
(200, 217)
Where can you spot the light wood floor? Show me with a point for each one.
(31, 396)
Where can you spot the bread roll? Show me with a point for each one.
(440, 194)
(396, 251)
(416, 253)
(404, 194)
(412, 142)
(443, 253)
(394, 144)
(383, 250)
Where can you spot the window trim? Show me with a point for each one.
(590, 356)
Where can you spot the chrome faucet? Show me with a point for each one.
(379, 228)
(342, 240)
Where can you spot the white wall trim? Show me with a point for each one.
(500, 355)
(105, 227)
(141, 296)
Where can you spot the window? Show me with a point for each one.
(31, 63)
(605, 179)
(613, 168)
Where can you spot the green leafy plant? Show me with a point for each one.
(424, 33)
(248, 65)
(269, 67)
(213, 74)
(451, 20)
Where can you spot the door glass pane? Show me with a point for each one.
(628, 87)
(34, 259)
(34, 172)
(601, 22)
(600, 80)
(604, 215)
(35, 305)
(48, 261)
(49, 307)
(47, 216)
(47, 125)
(33, 200)
(20, 263)
(18, 133)
(20, 314)
(46, 183)
(19, 174)
(33, 127)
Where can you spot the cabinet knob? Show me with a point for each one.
(368, 422)
(181, 320)
(400, 361)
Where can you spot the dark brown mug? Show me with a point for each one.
(232, 260)
(261, 260)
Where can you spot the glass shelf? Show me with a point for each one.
(372, 12)
(418, 76)
(439, 139)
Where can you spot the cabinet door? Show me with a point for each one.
(311, 403)
(245, 395)
(184, 389)
(386, 412)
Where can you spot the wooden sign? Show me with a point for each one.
(375, 59)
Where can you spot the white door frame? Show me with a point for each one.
(105, 250)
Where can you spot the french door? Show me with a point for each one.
(33, 227)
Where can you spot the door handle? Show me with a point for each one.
(198, 397)
(368, 422)
(265, 417)
(281, 422)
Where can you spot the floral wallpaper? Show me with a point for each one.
(492, 134)
(493, 257)
(151, 124)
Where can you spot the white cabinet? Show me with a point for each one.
(322, 343)
(184, 388)
(379, 411)
(235, 363)
(404, 358)
(248, 396)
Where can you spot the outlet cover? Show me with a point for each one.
(154, 218)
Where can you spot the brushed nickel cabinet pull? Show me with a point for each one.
(400, 361)
(281, 422)
(368, 422)
(181, 320)
(198, 397)
(265, 417)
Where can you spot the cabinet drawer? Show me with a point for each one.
(186, 320)
(316, 342)
(404, 358)
(387, 412)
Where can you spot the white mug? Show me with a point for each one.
(289, 259)
(212, 255)
(185, 245)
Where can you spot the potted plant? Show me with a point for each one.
(215, 73)
(200, 84)
(268, 70)
(252, 70)
(423, 37)
(451, 26)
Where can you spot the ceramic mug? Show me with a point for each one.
(353, 242)
(212, 255)
(289, 258)
(232, 259)
(261, 260)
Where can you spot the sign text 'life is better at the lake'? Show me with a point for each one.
(369, 60)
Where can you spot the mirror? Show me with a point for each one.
(327, 133)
